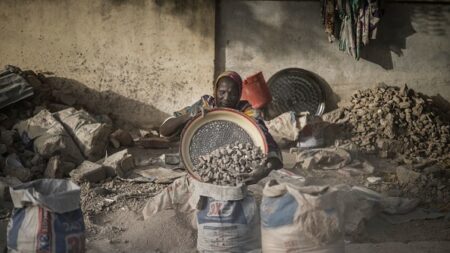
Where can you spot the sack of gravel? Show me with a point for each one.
(227, 218)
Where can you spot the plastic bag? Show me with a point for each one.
(227, 219)
(47, 218)
(301, 219)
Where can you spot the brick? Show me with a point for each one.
(119, 164)
(88, 171)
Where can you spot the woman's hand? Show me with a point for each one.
(262, 171)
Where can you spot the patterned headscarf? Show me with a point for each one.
(233, 76)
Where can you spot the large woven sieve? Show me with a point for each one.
(295, 89)
(216, 129)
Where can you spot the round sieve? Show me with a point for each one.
(295, 89)
(216, 129)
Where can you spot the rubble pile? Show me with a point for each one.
(41, 138)
(223, 166)
(390, 120)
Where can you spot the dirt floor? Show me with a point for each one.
(120, 227)
(114, 223)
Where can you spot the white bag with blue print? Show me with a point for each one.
(301, 219)
(227, 219)
(47, 218)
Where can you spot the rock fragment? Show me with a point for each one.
(224, 165)
(88, 172)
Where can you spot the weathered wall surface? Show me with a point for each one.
(135, 59)
(412, 45)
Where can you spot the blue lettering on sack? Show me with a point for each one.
(18, 215)
(69, 232)
(278, 211)
(222, 212)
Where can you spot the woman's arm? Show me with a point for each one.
(172, 125)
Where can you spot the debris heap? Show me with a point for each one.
(41, 138)
(390, 120)
(224, 166)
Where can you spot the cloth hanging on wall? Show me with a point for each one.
(352, 22)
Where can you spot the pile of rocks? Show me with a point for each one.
(41, 138)
(390, 120)
(224, 166)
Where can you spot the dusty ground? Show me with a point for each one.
(114, 223)
(118, 226)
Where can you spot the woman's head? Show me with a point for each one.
(228, 89)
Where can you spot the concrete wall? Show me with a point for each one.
(135, 59)
(412, 46)
(141, 59)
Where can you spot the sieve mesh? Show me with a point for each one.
(213, 135)
(295, 90)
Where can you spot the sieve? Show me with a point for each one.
(295, 89)
(218, 128)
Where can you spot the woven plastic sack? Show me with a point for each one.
(175, 196)
(301, 219)
(47, 218)
(227, 219)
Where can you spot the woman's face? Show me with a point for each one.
(227, 93)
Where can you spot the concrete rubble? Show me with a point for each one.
(118, 164)
(47, 137)
(89, 172)
(89, 134)
(391, 120)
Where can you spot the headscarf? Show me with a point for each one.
(233, 76)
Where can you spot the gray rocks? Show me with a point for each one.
(88, 172)
(389, 121)
(223, 166)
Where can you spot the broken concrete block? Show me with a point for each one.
(56, 168)
(118, 164)
(90, 135)
(123, 137)
(88, 172)
(50, 137)
(406, 176)
(14, 168)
